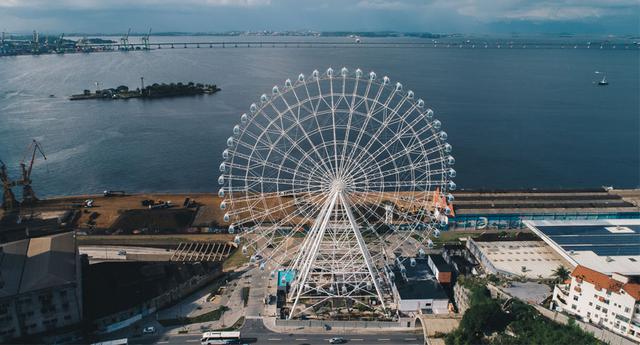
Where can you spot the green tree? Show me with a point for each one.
(561, 273)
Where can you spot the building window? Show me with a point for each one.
(574, 307)
(597, 307)
(626, 310)
(590, 303)
(605, 310)
(575, 298)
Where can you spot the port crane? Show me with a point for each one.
(145, 40)
(35, 43)
(8, 198)
(59, 48)
(124, 40)
(28, 195)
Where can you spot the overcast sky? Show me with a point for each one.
(440, 16)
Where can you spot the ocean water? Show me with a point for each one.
(517, 118)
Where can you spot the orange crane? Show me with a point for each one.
(28, 195)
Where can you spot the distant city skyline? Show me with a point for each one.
(439, 16)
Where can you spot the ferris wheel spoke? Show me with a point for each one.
(416, 148)
(267, 236)
(304, 132)
(348, 130)
(267, 163)
(288, 155)
(321, 99)
(370, 110)
(394, 140)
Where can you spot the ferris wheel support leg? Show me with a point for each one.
(311, 239)
(307, 245)
(310, 259)
(363, 249)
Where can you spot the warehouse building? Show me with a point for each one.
(607, 246)
(40, 288)
(521, 255)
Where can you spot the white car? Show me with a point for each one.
(149, 330)
(337, 340)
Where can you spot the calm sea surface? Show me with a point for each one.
(517, 118)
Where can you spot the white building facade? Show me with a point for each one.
(611, 302)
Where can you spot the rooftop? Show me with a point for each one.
(419, 282)
(441, 265)
(536, 257)
(608, 245)
(37, 263)
(603, 281)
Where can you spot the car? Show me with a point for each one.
(149, 330)
(122, 252)
(337, 340)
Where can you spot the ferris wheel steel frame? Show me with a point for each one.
(355, 166)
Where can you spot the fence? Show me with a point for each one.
(340, 324)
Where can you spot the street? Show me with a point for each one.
(254, 332)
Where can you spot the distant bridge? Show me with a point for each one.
(353, 44)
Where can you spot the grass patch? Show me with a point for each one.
(235, 260)
(214, 315)
(236, 326)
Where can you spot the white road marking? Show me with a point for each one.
(410, 339)
(274, 339)
(192, 340)
(301, 339)
(162, 342)
(385, 339)
(357, 339)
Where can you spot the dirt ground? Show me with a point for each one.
(108, 209)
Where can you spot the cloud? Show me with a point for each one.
(390, 4)
(471, 16)
(541, 10)
(98, 4)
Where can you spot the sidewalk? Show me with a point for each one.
(231, 298)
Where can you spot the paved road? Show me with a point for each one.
(254, 332)
(112, 253)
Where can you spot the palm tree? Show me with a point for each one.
(561, 273)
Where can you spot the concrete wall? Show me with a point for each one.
(461, 297)
(438, 306)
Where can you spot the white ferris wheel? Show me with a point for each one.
(330, 178)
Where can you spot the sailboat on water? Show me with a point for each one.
(604, 81)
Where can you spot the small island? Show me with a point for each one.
(151, 91)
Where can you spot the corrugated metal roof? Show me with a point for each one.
(37, 263)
